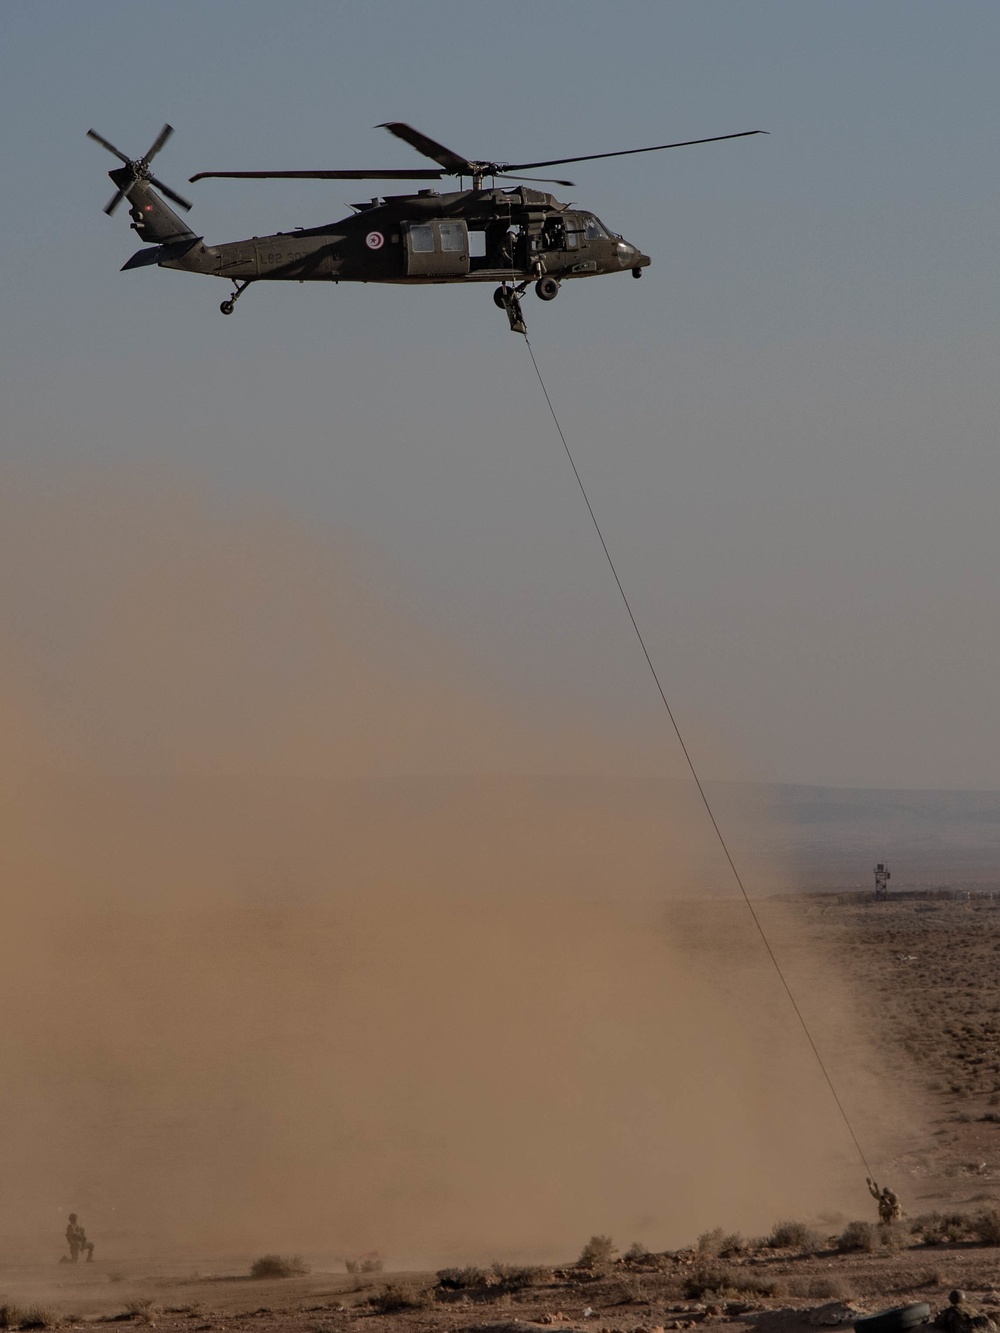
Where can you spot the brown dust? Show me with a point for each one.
(303, 950)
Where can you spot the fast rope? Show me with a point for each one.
(694, 772)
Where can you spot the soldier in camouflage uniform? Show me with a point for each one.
(889, 1209)
(960, 1317)
(76, 1239)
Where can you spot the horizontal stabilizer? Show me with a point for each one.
(143, 258)
(158, 254)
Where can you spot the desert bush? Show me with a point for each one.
(709, 1277)
(941, 1228)
(728, 1280)
(393, 1299)
(276, 1265)
(461, 1279)
(598, 1250)
(636, 1252)
(517, 1277)
(719, 1244)
(858, 1236)
(142, 1307)
(794, 1236)
(25, 1316)
(892, 1235)
(985, 1227)
(821, 1289)
(497, 1280)
(631, 1290)
(931, 1277)
(371, 1263)
(710, 1242)
(34, 1316)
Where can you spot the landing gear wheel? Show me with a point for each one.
(546, 289)
(637, 273)
(227, 307)
(500, 298)
(899, 1320)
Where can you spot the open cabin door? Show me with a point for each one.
(436, 249)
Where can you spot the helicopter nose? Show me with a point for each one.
(630, 256)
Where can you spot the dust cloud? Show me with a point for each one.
(274, 977)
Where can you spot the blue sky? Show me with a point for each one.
(788, 427)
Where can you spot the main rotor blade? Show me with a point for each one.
(421, 174)
(626, 152)
(171, 194)
(92, 134)
(161, 139)
(451, 161)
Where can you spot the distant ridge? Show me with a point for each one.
(644, 836)
(834, 835)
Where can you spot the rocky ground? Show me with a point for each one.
(927, 970)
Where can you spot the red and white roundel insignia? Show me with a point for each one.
(374, 240)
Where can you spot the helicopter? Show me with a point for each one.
(511, 236)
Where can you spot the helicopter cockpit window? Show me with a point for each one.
(422, 240)
(595, 231)
(452, 237)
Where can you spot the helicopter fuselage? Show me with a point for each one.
(468, 236)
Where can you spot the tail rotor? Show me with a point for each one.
(138, 169)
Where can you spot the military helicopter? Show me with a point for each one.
(511, 236)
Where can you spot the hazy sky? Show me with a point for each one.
(788, 427)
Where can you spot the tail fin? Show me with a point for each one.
(152, 221)
(151, 218)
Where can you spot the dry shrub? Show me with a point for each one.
(630, 1291)
(498, 1280)
(931, 1277)
(517, 1277)
(858, 1236)
(726, 1280)
(821, 1289)
(34, 1316)
(794, 1236)
(636, 1252)
(276, 1265)
(942, 1228)
(719, 1244)
(597, 1251)
(893, 1235)
(710, 1277)
(461, 1279)
(393, 1299)
(985, 1227)
(25, 1316)
(144, 1308)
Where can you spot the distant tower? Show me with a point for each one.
(882, 878)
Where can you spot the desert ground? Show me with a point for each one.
(924, 974)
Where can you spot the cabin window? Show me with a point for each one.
(452, 237)
(477, 244)
(595, 231)
(422, 240)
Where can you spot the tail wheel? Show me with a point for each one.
(226, 307)
(546, 289)
(900, 1320)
